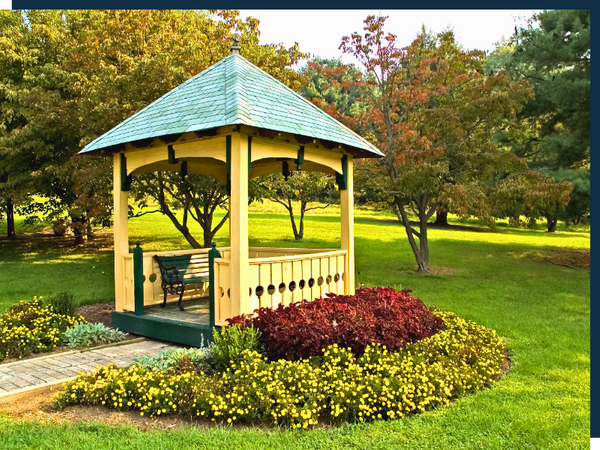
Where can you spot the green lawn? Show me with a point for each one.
(497, 279)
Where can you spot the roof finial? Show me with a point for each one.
(235, 48)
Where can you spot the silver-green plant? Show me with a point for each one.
(170, 359)
(91, 333)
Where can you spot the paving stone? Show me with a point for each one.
(45, 363)
(48, 378)
(20, 383)
(32, 373)
(30, 379)
(9, 387)
(53, 373)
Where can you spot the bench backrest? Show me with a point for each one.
(189, 266)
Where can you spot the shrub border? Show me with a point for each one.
(229, 397)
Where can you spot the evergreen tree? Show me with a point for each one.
(553, 54)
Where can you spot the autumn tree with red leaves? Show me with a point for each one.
(433, 113)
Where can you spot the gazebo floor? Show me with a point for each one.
(189, 327)
(196, 311)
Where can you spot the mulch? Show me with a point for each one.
(38, 406)
(98, 313)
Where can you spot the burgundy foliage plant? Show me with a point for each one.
(373, 315)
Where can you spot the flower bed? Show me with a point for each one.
(371, 316)
(336, 386)
(29, 327)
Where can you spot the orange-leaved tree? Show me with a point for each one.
(432, 111)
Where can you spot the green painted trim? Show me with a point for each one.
(342, 178)
(125, 179)
(138, 279)
(163, 329)
(172, 159)
(249, 153)
(300, 160)
(228, 162)
(212, 254)
(184, 169)
(285, 170)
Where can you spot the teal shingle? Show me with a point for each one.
(231, 92)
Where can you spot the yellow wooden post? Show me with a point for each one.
(120, 232)
(238, 219)
(347, 222)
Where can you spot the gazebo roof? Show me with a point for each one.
(231, 92)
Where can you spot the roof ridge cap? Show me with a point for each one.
(232, 79)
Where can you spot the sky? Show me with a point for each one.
(319, 32)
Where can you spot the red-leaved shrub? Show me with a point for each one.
(372, 315)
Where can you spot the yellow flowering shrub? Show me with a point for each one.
(336, 387)
(29, 327)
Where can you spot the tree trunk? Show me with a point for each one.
(79, 225)
(181, 227)
(297, 235)
(301, 232)
(289, 207)
(552, 221)
(423, 259)
(10, 219)
(90, 232)
(209, 232)
(441, 216)
(421, 251)
(208, 238)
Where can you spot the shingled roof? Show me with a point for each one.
(231, 92)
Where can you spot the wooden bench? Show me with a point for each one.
(178, 271)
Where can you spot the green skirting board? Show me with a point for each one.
(184, 333)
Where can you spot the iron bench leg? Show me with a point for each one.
(174, 289)
(182, 288)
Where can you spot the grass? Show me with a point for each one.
(493, 278)
(38, 269)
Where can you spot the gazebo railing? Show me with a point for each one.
(281, 276)
(153, 293)
(276, 276)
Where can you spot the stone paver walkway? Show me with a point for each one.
(48, 370)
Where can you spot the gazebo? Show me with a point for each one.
(233, 122)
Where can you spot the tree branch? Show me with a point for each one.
(317, 207)
(432, 210)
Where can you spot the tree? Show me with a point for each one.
(578, 207)
(301, 187)
(196, 196)
(553, 54)
(42, 136)
(335, 87)
(89, 70)
(15, 58)
(530, 194)
(433, 112)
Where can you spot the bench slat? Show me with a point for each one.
(190, 270)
